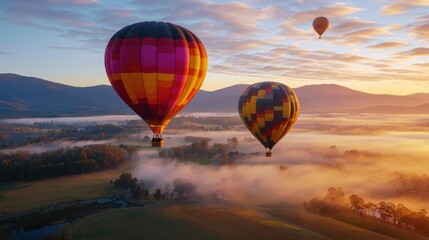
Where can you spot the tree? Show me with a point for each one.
(124, 181)
(371, 209)
(357, 204)
(183, 187)
(167, 188)
(334, 194)
(233, 142)
(157, 194)
(137, 192)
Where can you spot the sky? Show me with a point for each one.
(377, 46)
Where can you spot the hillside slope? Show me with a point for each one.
(22, 96)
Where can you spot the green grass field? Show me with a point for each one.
(222, 222)
(22, 196)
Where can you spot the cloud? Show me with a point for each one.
(69, 2)
(351, 24)
(117, 13)
(402, 6)
(235, 18)
(74, 48)
(363, 35)
(22, 12)
(421, 31)
(415, 52)
(422, 65)
(84, 1)
(384, 45)
(335, 10)
(423, 18)
(262, 38)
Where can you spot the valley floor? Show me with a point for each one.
(213, 221)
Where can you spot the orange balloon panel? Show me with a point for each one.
(320, 24)
(156, 68)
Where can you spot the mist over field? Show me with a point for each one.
(379, 165)
(44, 147)
(379, 157)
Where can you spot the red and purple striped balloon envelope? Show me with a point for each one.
(156, 68)
(269, 110)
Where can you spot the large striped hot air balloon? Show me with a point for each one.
(156, 68)
(269, 110)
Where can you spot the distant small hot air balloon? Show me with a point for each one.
(156, 68)
(320, 24)
(269, 110)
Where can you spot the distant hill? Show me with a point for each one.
(222, 100)
(315, 99)
(335, 98)
(30, 96)
(22, 96)
(420, 109)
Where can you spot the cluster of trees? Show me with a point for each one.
(199, 123)
(218, 153)
(129, 183)
(182, 188)
(415, 186)
(96, 132)
(19, 134)
(23, 166)
(397, 215)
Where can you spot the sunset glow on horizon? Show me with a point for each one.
(375, 46)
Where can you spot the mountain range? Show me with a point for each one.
(22, 96)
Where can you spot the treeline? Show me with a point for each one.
(17, 134)
(182, 188)
(217, 153)
(23, 166)
(414, 186)
(397, 215)
(198, 123)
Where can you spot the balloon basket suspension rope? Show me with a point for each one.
(157, 140)
(268, 153)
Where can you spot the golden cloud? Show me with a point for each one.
(415, 52)
(335, 10)
(364, 35)
(402, 6)
(384, 45)
(422, 31)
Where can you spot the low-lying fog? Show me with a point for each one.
(379, 157)
(387, 164)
